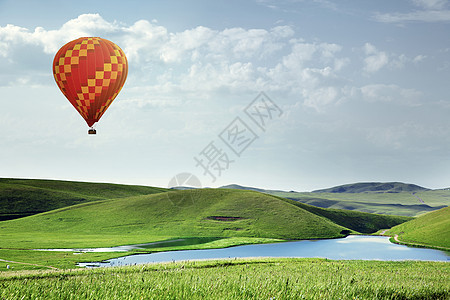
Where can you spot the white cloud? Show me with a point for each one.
(390, 93)
(431, 4)
(196, 60)
(416, 16)
(199, 62)
(234, 77)
(419, 58)
(400, 61)
(51, 40)
(143, 40)
(375, 59)
(179, 43)
(310, 71)
(300, 54)
(25, 54)
(340, 63)
(429, 11)
(321, 97)
(236, 43)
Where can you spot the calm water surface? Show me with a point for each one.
(351, 247)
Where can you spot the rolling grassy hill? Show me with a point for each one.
(389, 203)
(110, 215)
(431, 229)
(187, 213)
(23, 197)
(197, 213)
(358, 221)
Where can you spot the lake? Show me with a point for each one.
(351, 247)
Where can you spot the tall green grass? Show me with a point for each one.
(238, 279)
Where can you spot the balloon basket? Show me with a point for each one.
(92, 131)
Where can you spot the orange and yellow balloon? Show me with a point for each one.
(90, 71)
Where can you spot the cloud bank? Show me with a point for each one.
(356, 108)
(200, 61)
(429, 11)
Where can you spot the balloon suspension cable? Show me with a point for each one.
(92, 131)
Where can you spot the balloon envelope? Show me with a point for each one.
(90, 71)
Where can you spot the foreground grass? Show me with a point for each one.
(237, 279)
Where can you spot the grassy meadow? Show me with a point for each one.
(224, 216)
(429, 230)
(150, 218)
(190, 213)
(84, 215)
(237, 279)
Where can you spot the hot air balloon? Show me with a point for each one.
(90, 72)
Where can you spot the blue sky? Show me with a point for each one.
(363, 87)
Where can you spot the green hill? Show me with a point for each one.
(23, 197)
(175, 214)
(358, 221)
(430, 229)
(379, 187)
(188, 213)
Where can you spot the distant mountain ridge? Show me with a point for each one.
(381, 187)
(359, 187)
(389, 198)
